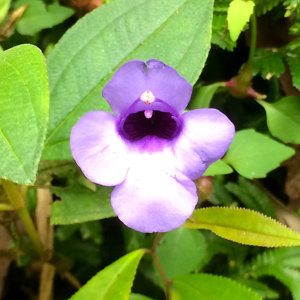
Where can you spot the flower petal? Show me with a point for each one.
(98, 149)
(205, 138)
(135, 77)
(153, 198)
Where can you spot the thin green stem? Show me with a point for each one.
(4, 206)
(18, 203)
(166, 281)
(253, 39)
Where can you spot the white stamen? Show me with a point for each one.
(147, 97)
(148, 114)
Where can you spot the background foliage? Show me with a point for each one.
(59, 232)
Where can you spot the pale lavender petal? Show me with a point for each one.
(135, 77)
(154, 196)
(98, 149)
(205, 138)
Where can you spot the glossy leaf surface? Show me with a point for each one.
(243, 226)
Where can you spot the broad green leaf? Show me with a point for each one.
(283, 119)
(114, 282)
(294, 65)
(4, 7)
(79, 204)
(209, 287)
(218, 168)
(202, 95)
(138, 297)
(243, 226)
(24, 102)
(268, 63)
(239, 13)
(84, 60)
(38, 16)
(181, 251)
(251, 196)
(253, 154)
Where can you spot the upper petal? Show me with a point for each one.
(154, 197)
(205, 138)
(135, 77)
(98, 149)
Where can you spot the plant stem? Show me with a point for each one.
(18, 203)
(166, 281)
(253, 40)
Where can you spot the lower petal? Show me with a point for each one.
(98, 148)
(153, 199)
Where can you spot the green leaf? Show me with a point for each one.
(114, 282)
(202, 95)
(181, 251)
(220, 195)
(259, 288)
(262, 6)
(243, 226)
(84, 60)
(252, 197)
(294, 65)
(4, 7)
(80, 204)
(38, 16)
(209, 287)
(283, 119)
(218, 168)
(138, 297)
(283, 264)
(268, 63)
(24, 102)
(253, 154)
(239, 13)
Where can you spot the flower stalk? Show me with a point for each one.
(167, 283)
(18, 203)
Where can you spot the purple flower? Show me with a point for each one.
(148, 149)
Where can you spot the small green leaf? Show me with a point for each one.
(138, 297)
(38, 16)
(294, 65)
(218, 168)
(239, 13)
(243, 226)
(203, 95)
(80, 204)
(253, 154)
(4, 7)
(181, 251)
(283, 119)
(268, 63)
(209, 287)
(84, 60)
(24, 102)
(114, 282)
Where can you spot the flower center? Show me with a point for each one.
(156, 123)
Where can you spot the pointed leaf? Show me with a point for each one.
(239, 13)
(209, 287)
(84, 60)
(243, 226)
(114, 282)
(253, 154)
(79, 204)
(283, 119)
(218, 168)
(24, 102)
